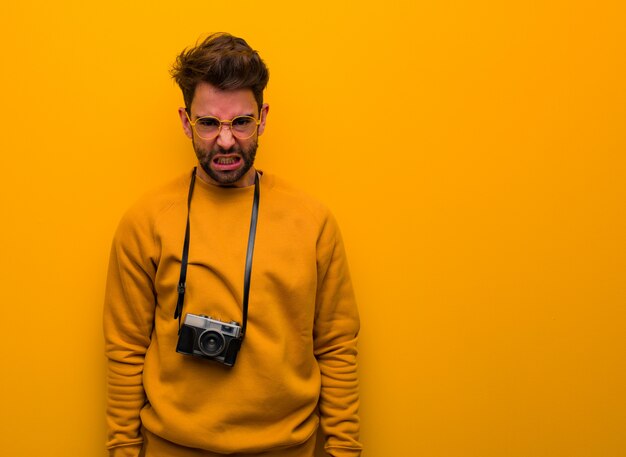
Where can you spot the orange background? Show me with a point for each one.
(472, 151)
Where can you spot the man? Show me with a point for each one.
(230, 322)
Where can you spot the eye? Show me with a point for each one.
(207, 122)
(242, 121)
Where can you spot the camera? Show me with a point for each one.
(203, 336)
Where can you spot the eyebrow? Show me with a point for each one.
(238, 115)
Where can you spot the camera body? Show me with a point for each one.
(203, 336)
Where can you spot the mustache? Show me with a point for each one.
(220, 150)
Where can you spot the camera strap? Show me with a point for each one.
(182, 282)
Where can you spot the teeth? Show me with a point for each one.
(226, 161)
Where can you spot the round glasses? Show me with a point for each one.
(209, 127)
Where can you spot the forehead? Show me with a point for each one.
(208, 100)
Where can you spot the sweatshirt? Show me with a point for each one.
(297, 365)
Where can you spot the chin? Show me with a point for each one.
(226, 178)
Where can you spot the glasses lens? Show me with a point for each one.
(207, 127)
(243, 127)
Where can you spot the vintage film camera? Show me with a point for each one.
(203, 336)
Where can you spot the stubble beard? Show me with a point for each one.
(205, 157)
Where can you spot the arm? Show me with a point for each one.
(336, 331)
(128, 320)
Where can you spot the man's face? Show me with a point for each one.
(225, 160)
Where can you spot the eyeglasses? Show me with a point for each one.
(209, 127)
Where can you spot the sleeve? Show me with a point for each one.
(335, 333)
(128, 320)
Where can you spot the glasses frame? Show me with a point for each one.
(222, 122)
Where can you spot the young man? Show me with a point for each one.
(230, 321)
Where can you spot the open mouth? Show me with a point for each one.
(226, 163)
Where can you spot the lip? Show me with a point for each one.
(233, 162)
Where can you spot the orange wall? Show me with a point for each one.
(473, 152)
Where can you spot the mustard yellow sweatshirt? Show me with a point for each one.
(300, 348)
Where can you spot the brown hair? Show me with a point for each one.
(224, 61)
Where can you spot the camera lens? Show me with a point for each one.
(211, 343)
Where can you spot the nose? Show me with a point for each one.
(226, 139)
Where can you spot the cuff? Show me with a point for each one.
(343, 451)
(125, 451)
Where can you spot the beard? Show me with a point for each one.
(206, 156)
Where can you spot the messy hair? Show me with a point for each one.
(224, 61)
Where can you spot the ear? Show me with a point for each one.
(263, 117)
(184, 119)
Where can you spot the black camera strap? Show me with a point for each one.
(182, 282)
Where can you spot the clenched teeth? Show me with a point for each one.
(226, 161)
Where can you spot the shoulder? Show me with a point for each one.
(295, 200)
(149, 208)
(295, 208)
